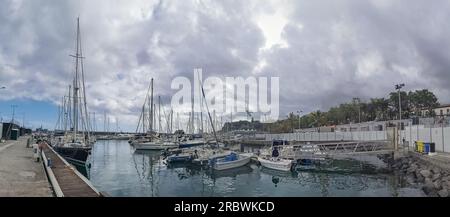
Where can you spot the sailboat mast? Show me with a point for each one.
(192, 117)
(117, 125)
(171, 120)
(69, 107)
(151, 109)
(178, 121)
(209, 115)
(75, 84)
(159, 114)
(64, 114)
(86, 114)
(201, 113)
(104, 121)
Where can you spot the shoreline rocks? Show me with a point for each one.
(434, 181)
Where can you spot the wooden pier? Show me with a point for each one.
(65, 179)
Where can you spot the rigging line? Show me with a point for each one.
(88, 127)
(142, 116)
(139, 122)
(209, 115)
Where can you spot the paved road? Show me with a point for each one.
(20, 175)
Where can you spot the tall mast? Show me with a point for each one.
(117, 125)
(108, 125)
(171, 120)
(69, 107)
(95, 123)
(151, 109)
(104, 121)
(178, 121)
(192, 118)
(86, 114)
(75, 83)
(64, 114)
(201, 112)
(159, 114)
(209, 115)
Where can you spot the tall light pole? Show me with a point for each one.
(299, 125)
(13, 107)
(398, 87)
(359, 108)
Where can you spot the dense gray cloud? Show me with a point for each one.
(324, 52)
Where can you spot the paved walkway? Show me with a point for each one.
(20, 175)
(440, 159)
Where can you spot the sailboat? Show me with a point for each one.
(75, 145)
(149, 139)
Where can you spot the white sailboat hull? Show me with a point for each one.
(154, 145)
(276, 163)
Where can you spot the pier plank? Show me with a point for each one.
(70, 184)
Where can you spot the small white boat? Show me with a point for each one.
(230, 161)
(276, 163)
(157, 145)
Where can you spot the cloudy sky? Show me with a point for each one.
(325, 52)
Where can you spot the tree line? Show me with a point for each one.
(413, 104)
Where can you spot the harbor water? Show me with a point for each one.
(120, 171)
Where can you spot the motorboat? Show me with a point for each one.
(233, 160)
(276, 163)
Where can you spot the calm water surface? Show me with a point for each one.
(121, 171)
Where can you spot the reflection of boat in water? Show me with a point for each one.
(230, 161)
(214, 174)
(148, 152)
(279, 173)
(148, 165)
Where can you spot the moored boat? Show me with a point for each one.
(230, 161)
(276, 163)
(74, 153)
(156, 145)
(180, 158)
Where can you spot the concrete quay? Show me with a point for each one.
(20, 174)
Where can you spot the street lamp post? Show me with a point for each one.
(299, 119)
(398, 87)
(359, 108)
(290, 121)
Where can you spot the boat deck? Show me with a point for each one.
(70, 183)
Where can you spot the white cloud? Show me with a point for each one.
(324, 52)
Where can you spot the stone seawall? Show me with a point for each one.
(432, 177)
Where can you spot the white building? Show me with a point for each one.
(442, 110)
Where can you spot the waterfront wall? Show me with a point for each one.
(438, 135)
(329, 136)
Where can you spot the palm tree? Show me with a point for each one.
(319, 118)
